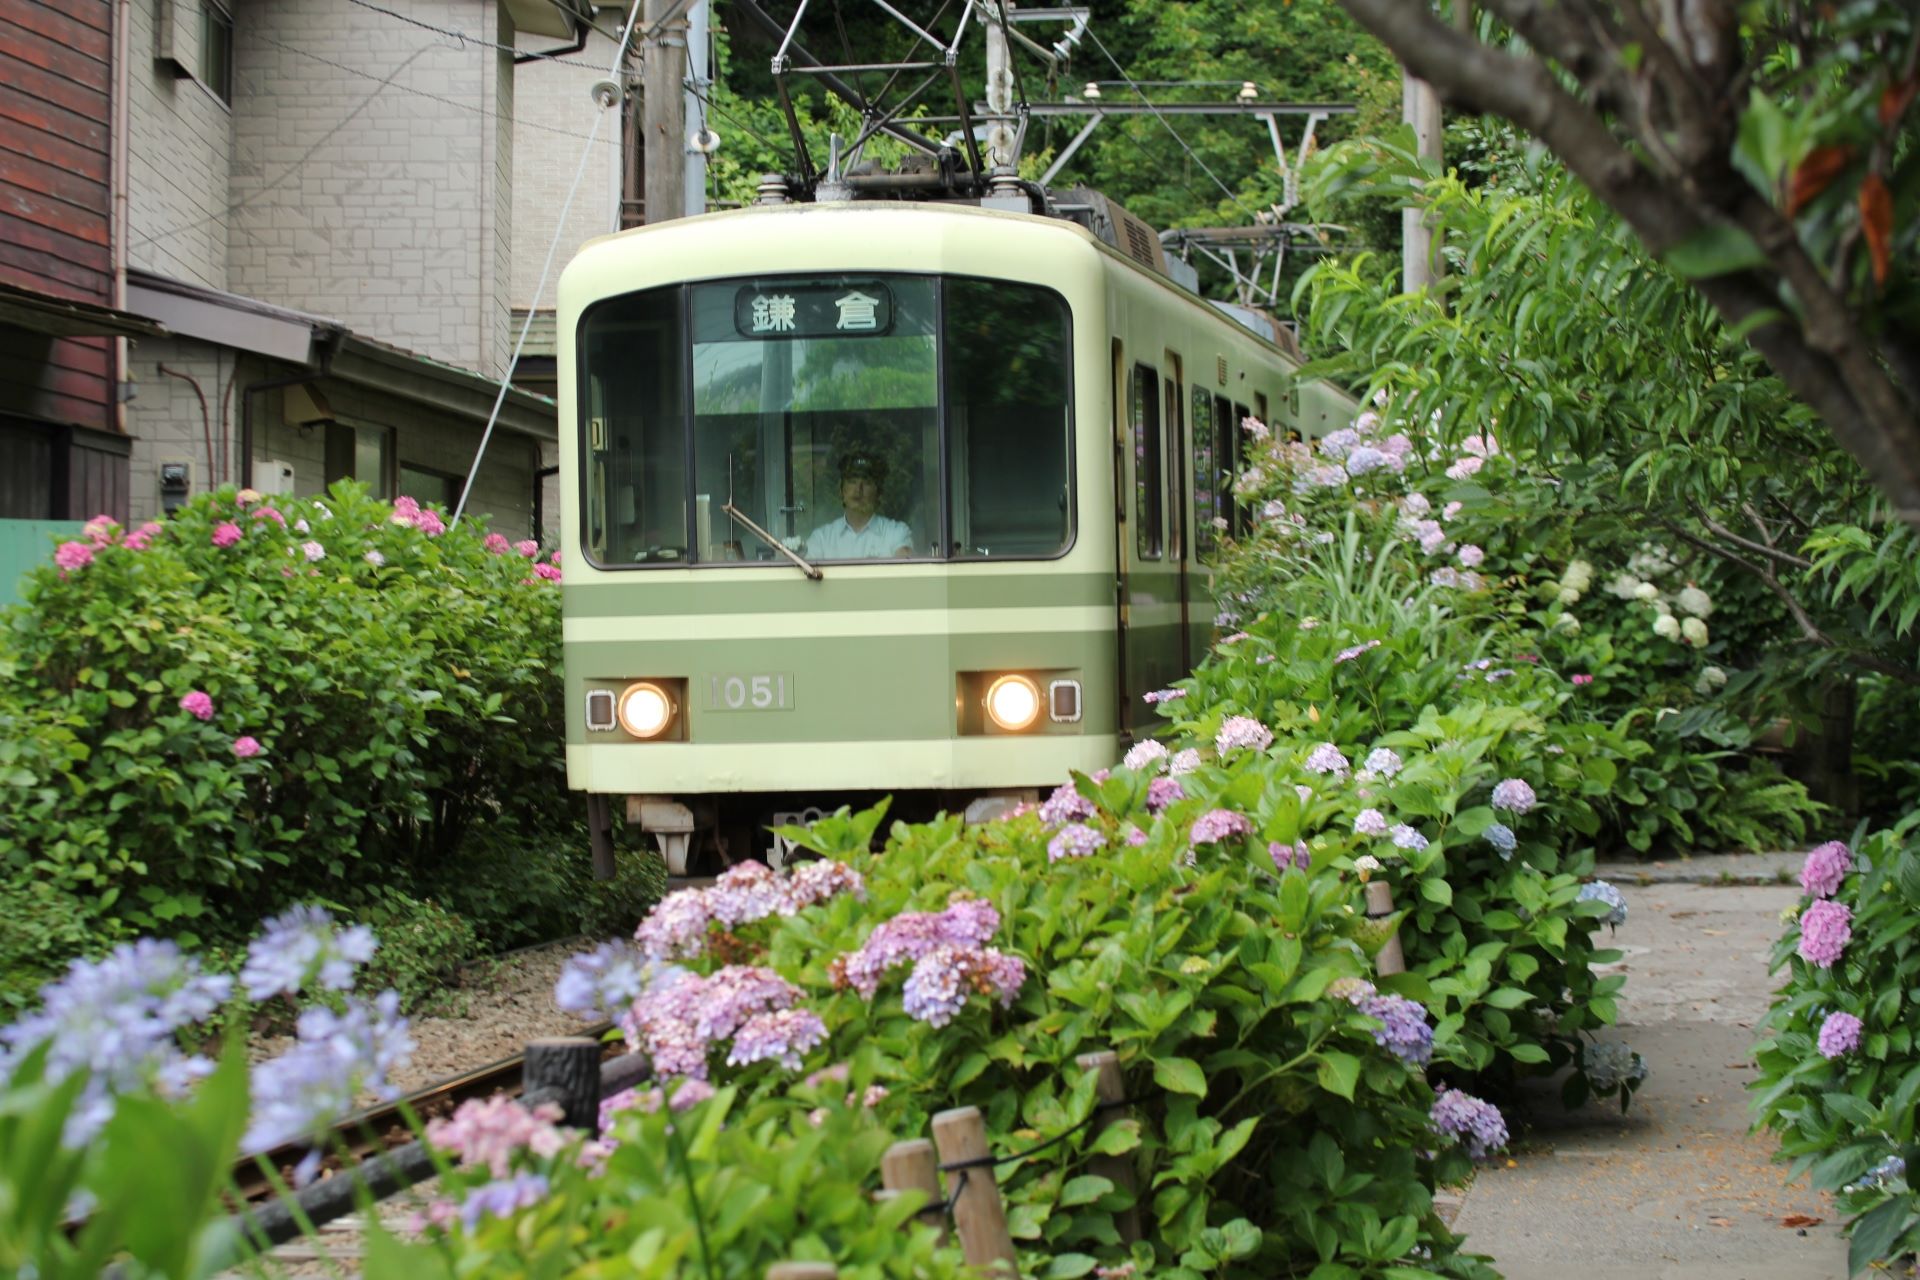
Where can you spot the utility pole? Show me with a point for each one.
(1419, 107)
(705, 140)
(1000, 136)
(663, 130)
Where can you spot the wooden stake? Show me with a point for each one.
(567, 1070)
(1391, 959)
(978, 1215)
(911, 1166)
(1110, 1086)
(802, 1271)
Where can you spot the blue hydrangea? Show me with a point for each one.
(1601, 891)
(1501, 837)
(1403, 1029)
(1610, 1065)
(1478, 1125)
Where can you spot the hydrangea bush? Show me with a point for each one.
(1839, 1053)
(260, 699)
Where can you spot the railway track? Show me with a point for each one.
(377, 1130)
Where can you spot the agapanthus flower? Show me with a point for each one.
(1839, 1035)
(1370, 822)
(1501, 837)
(1825, 868)
(1405, 837)
(602, 982)
(1514, 795)
(1609, 1064)
(1145, 754)
(1348, 655)
(1076, 840)
(1602, 891)
(1216, 825)
(1326, 758)
(1476, 1124)
(73, 555)
(1403, 1029)
(1066, 804)
(1825, 929)
(198, 704)
(1382, 762)
(1242, 731)
(301, 946)
(335, 1058)
(246, 746)
(116, 1019)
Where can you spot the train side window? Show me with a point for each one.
(1260, 408)
(1243, 514)
(633, 430)
(1008, 369)
(1148, 484)
(1226, 462)
(1206, 481)
(1174, 481)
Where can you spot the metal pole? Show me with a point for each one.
(1419, 107)
(663, 71)
(690, 109)
(999, 90)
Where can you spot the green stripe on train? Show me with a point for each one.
(667, 591)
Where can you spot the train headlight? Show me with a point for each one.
(1013, 703)
(645, 709)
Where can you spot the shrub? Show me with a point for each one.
(1839, 1062)
(609, 907)
(259, 702)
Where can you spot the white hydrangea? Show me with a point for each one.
(1694, 632)
(1623, 586)
(1566, 624)
(1694, 601)
(1569, 595)
(1646, 591)
(1578, 577)
(1666, 626)
(1711, 678)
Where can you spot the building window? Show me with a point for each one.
(216, 50)
(427, 485)
(361, 453)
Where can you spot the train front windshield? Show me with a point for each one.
(850, 417)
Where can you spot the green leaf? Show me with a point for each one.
(1717, 249)
(1084, 1190)
(1069, 1266)
(1338, 1073)
(1180, 1075)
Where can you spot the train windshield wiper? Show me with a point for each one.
(800, 562)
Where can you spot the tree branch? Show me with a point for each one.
(1721, 531)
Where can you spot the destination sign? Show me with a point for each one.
(846, 309)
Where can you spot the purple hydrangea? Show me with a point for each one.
(1163, 695)
(1145, 755)
(1405, 837)
(966, 923)
(1348, 655)
(1839, 1034)
(677, 927)
(1403, 1029)
(1602, 891)
(1476, 1124)
(1216, 825)
(335, 1058)
(302, 946)
(938, 987)
(1825, 868)
(746, 893)
(502, 1198)
(1184, 761)
(1077, 840)
(1513, 795)
(1326, 758)
(782, 1036)
(1370, 822)
(1382, 762)
(116, 1019)
(1242, 731)
(1294, 855)
(814, 882)
(1066, 804)
(1501, 837)
(1825, 929)
(677, 1025)
(1162, 792)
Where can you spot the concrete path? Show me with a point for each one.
(1676, 1189)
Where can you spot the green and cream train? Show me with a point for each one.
(870, 498)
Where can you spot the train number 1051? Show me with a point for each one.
(765, 691)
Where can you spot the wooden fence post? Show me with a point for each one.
(978, 1215)
(802, 1271)
(1111, 1087)
(1391, 959)
(911, 1166)
(567, 1068)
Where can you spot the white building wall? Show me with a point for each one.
(179, 154)
(554, 116)
(366, 170)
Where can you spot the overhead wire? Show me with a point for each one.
(1168, 125)
(454, 33)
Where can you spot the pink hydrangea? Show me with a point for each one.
(199, 705)
(1075, 840)
(271, 513)
(527, 547)
(1242, 731)
(1471, 556)
(966, 923)
(1370, 822)
(497, 543)
(405, 510)
(226, 533)
(140, 539)
(1839, 1035)
(1294, 855)
(551, 572)
(1825, 868)
(313, 551)
(430, 523)
(1513, 795)
(73, 555)
(1825, 929)
(246, 747)
(491, 1131)
(1162, 792)
(1583, 679)
(1216, 825)
(99, 530)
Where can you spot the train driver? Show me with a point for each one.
(862, 533)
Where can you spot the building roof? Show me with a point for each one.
(66, 318)
(330, 347)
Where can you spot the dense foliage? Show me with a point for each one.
(265, 702)
(1840, 1053)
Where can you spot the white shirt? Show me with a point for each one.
(881, 539)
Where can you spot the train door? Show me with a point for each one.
(1226, 436)
(1150, 583)
(1179, 533)
(1211, 496)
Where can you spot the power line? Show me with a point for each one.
(462, 36)
(1192, 154)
